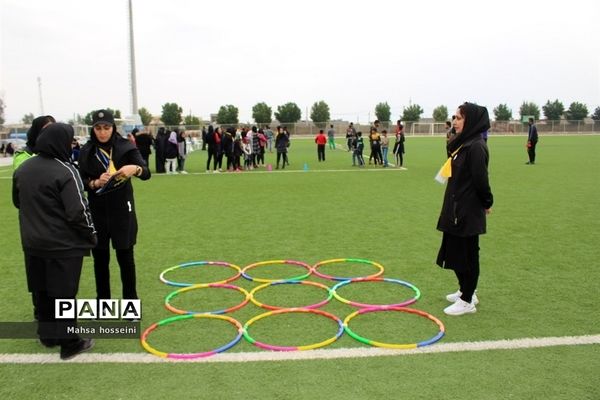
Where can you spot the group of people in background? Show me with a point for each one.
(379, 144)
(247, 145)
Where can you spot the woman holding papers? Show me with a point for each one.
(107, 162)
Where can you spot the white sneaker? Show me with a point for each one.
(453, 297)
(183, 172)
(460, 307)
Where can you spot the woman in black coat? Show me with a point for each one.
(56, 233)
(106, 163)
(467, 201)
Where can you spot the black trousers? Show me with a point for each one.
(284, 159)
(461, 254)
(321, 152)
(102, 272)
(50, 279)
(211, 153)
(531, 153)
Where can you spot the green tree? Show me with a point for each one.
(171, 114)
(412, 113)
(191, 120)
(28, 118)
(596, 114)
(227, 114)
(576, 112)
(440, 114)
(288, 113)
(319, 113)
(145, 115)
(383, 112)
(262, 113)
(502, 113)
(553, 111)
(1, 112)
(88, 117)
(529, 109)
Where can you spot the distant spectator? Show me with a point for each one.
(532, 139)
(331, 138)
(181, 151)
(144, 142)
(399, 145)
(171, 152)
(350, 136)
(282, 141)
(10, 150)
(321, 140)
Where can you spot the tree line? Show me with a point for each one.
(289, 113)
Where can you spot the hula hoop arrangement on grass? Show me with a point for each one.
(199, 263)
(187, 356)
(365, 305)
(310, 283)
(312, 308)
(293, 348)
(361, 339)
(275, 262)
(315, 269)
(210, 285)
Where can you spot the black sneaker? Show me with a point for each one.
(82, 346)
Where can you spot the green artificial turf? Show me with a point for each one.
(539, 277)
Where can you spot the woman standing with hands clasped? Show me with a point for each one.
(107, 162)
(467, 201)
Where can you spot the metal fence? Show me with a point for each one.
(410, 128)
(428, 128)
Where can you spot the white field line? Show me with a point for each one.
(319, 354)
(264, 171)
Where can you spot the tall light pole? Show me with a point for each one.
(133, 82)
(40, 94)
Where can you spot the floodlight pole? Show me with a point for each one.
(134, 103)
(40, 94)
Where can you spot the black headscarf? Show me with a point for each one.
(477, 121)
(36, 127)
(55, 141)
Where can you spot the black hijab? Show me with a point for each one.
(36, 127)
(55, 141)
(477, 121)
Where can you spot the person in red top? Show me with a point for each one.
(321, 141)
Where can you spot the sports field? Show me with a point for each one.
(538, 288)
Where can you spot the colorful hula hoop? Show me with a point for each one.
(343, 278)
(177, 292)
(187, 356)
(196, 263)
(270, 307)
(293, 348)
(364, 305)
(369, 342)
(288, 262)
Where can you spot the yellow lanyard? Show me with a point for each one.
(109, 163)
(446, 170)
